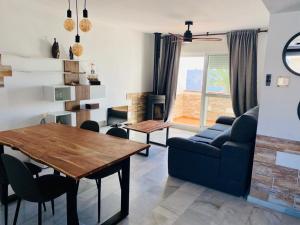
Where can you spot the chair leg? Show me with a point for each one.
(44, 206)
(17, 211)
(40, 214)
(98, 182)
(5, 213)
(52, 206)
(5, 202)
(120, 178)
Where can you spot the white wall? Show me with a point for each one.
(278, 108)
(123, 59)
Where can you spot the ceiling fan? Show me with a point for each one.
(188, 36)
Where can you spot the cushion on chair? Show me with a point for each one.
(53, 186)
(200, 139)
(220, 127)
(209, 134)
(222, 138)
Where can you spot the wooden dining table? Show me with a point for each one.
(76, 153)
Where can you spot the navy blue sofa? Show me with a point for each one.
(220, 157)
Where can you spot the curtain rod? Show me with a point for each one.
(225, 33)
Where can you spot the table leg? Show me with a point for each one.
(147, 150)
(128, 133)
(160, 144)
(72, 216)
(124, 195)
(125, 188)
(167, 134)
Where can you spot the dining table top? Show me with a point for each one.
(72, 151)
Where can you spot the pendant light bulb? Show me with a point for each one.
(85, 24)
(77, 48)
(69, 23)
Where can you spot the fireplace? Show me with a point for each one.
(156, 107)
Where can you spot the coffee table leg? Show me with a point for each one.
(146, 150)
(72, 216)
(167, 135)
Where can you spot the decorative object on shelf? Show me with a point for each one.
(4, 72)
(55, 49)
(93, 78)
(83, 79)
(71, 55)
(69, 23)
(92, 68)
(85, 23)
(77, 47)
(92, 106)
(43, 120)
(291, 54)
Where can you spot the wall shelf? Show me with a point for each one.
(64, 117)
(59, 93)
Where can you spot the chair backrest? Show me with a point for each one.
(90, 125)
(118, 132)
(21, 179)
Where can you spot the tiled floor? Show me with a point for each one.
(156, 198)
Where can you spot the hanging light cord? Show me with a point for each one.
(77, 17)
(69, 5)
(85, 4)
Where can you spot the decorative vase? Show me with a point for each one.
(83, 79)
(55, 50)
(71, 55)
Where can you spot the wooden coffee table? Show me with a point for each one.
(147, 127)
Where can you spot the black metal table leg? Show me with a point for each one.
(124, 195)
(160, 144)
(72, 216)
(147, 150)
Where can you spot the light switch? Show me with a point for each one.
(283, 81)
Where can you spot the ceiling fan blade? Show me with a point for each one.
(176, 35)
(207, 39)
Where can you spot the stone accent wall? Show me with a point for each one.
(137, 103)
(188, 105)
(271, 182)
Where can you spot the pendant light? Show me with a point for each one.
(69, 23)
(77, 48)
(85, 23)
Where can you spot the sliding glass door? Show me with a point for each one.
(203, 91)
(189, 89)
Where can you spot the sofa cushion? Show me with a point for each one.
(200, 139)
(220, 127)
(209, 133)
(222, 138)
(192, 146)
(244, 128)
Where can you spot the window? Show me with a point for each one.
(203, 90)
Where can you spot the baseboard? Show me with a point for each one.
(279, 208)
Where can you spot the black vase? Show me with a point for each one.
(71, 55)
(55, 50)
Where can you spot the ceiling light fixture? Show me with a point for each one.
(77, 48)
(69, 23)
(85, 23)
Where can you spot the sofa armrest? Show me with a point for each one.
(236, 161)
(193, 146)
(228, 120)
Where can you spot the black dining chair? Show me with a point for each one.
(90, 125)
(117, 132)
(34, 170)
(26, 187)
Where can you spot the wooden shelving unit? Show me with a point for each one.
(82, 92)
